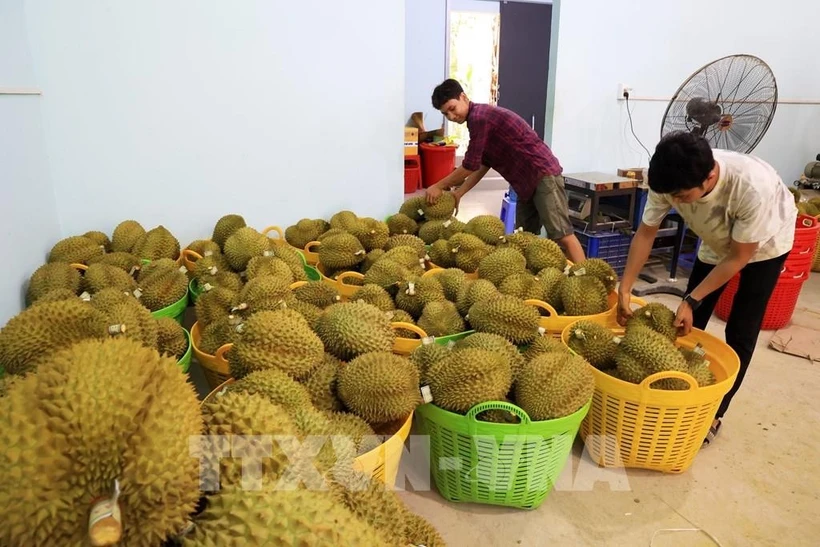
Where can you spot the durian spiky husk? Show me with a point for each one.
(96, 412)
(379, 387)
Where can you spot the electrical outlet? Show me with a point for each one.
(623, 88)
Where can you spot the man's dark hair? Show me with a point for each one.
(449, 89)
(682, 161)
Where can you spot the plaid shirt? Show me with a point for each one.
(502, 140)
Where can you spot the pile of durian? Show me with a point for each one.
(646, 348)
(810, 207)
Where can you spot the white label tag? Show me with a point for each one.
(183, 269)
(617, 339)
(85, 297)
(451, 344)
(411, 289)
(137, 293)
(134, 269)
(426, 394)
(447, 223)
(428, 340)
(542, 331)
(581, 271)
(267, 253)
(420, 212)
(208, 253)
(698, 349)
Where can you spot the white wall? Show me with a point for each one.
(654, 46)
(176, 113)
(29, 225)
(424, 57)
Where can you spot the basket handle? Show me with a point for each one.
(276, 229)
(81, 267)
(220, 353)
(433, 271)
(295, 285)
(807, 251)
(693, 384)
(311, 244)
(348, 275)
(191, 256)
(499, 405)
(640, 302)
(543, 305)
(409, 326)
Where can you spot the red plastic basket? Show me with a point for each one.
(781, 304)
(800, 261)
(805, 233)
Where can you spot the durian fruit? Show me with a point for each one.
(160, 290)
(262, 293)
(157, 243)
(56, 295)
(425, 355)
(279, 517)
(75, 250)
(468, 250)
(519, 239)
(220, 332)
(441, 319)
(496, 344)
(344, 220)
(172, 340)
(796, 193)
(522, 285)
(303, 232)
(97, 412)
(387, 274)
(405, 255)
(34, 334)
(402, 224)
(401, 316)
(431, 231)
(342, 251)
(123, 261)
(414, 208)
(379, 387)
(205, 247)
(500, 264)
(350, 329)
(375, 296)
(293, 258)
(209, 274)
(225, 228)
(268, 265)
(583, 295)
(643, 352)
(452, 226)
(488, 228)
(419, 531)
(50, 277)
(593, 342)
(452, 280)
(657, 317)
(554, 385)
(276, 339)
(552, 279)
(107, 299)
(351, 426)
(330, 233)
(318, 293)
(407, 240)
(99, 238)
(473, 291)
(506, 316)
(442, 209)
(544, 253)
(7, 382)
(103, 276)
(544, 344)
(370, 259)
(371, 233)
(321, 384)
(597, 268)
(440, 254)
(413, 295)
(468, 377)
(156, 267)
(125, 236)
(698, 367)
(215, 303)
(310, 312)
(276, 386)
(244, 244)
(130, 319)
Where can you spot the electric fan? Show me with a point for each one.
(730, 102)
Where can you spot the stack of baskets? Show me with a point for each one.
(795, 272)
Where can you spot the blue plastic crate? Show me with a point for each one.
(613, 247)
(508, 214)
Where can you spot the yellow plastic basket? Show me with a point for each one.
(310, 257)
(815, 265)
(633, 425)
(555, 324)
(214, 367)
(346, 290)
(381, 463)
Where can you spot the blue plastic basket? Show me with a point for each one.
(613, 247)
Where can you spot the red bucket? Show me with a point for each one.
(436, 162)
(781, 305)
(805, 232)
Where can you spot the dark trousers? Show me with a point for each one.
(757, 282)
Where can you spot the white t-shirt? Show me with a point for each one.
(749, 204)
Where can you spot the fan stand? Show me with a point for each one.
(673, 286)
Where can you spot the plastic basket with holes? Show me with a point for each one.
(781, 304)
(343, 283)
(381, 463)
(636, 426)
(512, 465)
(310, 257)
(555, 324)
(406, 346)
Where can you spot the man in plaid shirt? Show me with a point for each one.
(502, 140)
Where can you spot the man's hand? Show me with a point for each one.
(457, 195)
(433, 193)
(624, 309)
(683, 319)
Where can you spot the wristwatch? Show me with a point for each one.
(694, 304)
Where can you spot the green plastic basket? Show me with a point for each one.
(312, 273)
(176, 311)
(185, 361)
(512, 465)
(194, 290)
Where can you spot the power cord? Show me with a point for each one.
(632, 128)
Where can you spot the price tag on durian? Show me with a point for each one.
(85, 297)
(581, 271)
(137, 293)
(426, 341)
(208, 253)
(426, 394)
(420, 212)
(699, 350)
(447, 223)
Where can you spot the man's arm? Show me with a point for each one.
(474, 178)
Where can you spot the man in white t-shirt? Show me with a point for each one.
(745, 216)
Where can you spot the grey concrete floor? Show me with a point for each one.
(756, 485)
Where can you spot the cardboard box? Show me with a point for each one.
(411, 141)
(632, 173)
